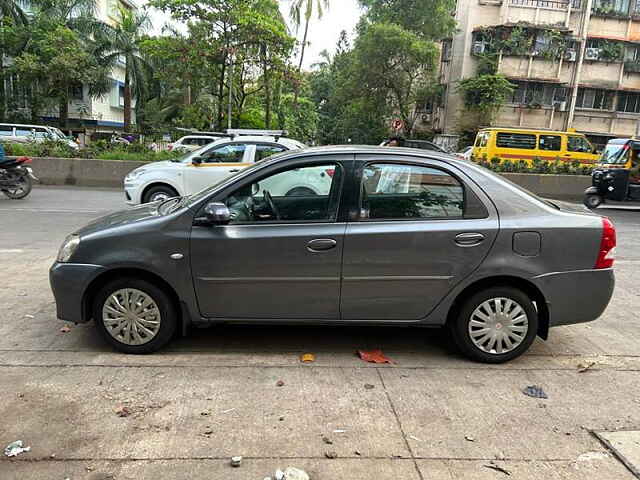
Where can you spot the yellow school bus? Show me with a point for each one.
(526, 144)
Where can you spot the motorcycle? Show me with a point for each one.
(16, 179)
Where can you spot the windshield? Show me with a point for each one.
(615, 153)
(58, 133)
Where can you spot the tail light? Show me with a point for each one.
(606, 255)
(24, 160)
(330, 172)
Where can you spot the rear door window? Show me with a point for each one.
(550, 142)
(516, 140)
(264, 151)
(404, 192)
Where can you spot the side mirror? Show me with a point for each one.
(217, 213)
(196, 160)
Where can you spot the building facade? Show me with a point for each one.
(106, 113)
(575, 64)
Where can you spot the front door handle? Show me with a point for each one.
(469, 239)
(321, 245)
(234, 170)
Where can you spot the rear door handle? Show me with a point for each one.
(234, 170)
(469, 239)
(321, 245)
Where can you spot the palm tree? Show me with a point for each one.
(304, 9)
(13, 10)
(124, 45)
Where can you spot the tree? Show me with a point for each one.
(55, 61)
(429, 19)
(12, 10)
(397, 65)
(306, 7)
(124, 44)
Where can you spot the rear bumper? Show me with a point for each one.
(69, 282)
(577, 296)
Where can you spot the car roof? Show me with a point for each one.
(529, 130)
(212, 137)
(286, 142)
(24, 125)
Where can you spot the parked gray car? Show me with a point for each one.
(397, 236)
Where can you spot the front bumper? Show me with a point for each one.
(69, 282)
(576, 296)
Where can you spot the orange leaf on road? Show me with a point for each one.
(373, 356)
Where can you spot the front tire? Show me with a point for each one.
(134, 315)
(495, 325)
(21, 191)
(592, 201)
(159, 193)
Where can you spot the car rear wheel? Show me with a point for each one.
(495, 325)
(134, 315)
(592, 201)
(159, 193)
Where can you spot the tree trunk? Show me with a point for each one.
(221, 94)
(298, 80)
(63, 112)
(127, 99)
(267, 89)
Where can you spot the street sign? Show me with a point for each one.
(397, 124)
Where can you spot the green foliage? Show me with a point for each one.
(611, 51)
(537, 165)
(429, 19)
(485, 94)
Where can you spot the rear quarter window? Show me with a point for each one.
(516, 140)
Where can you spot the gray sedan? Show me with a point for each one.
(391, 236)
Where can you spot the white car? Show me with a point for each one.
(198, 170)
(191, 143)
(465, 154)
(21, 133)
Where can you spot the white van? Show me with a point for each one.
(20, 133)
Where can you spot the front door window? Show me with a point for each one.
(303, 194)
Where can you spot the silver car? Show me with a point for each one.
(396, 236)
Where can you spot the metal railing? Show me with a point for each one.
(561, 5)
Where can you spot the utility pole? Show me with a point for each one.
(577, 68)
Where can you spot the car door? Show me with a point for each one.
(280, 256)
(215, 164)
(422, 228)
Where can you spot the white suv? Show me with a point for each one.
(208, 165)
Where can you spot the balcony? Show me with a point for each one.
(552, 4)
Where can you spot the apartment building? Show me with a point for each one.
(575, 64)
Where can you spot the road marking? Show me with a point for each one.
(11, 250)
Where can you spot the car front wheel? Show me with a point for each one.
(134, 315)
(159, 193)
(495, 325)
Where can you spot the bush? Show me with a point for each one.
(537, 165)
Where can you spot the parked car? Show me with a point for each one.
(206, 166)
(466, 154)
(419, 144)
(189, 143)
(528, 144)
(20, 133)
(398, 237)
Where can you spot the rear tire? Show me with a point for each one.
(22, 191)
(592, 201)
(146, 322)
(159, 193)
(504, 313)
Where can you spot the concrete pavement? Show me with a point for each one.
(430, 415)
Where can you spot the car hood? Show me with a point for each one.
(120, 218)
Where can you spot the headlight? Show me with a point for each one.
(68, 248)
(135, 174)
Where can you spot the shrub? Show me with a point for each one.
(537, 165)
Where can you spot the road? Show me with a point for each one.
(430, 415)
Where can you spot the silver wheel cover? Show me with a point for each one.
(498, 326)
(131, 316)
(160, 196)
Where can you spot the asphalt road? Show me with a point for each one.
(430, 415)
